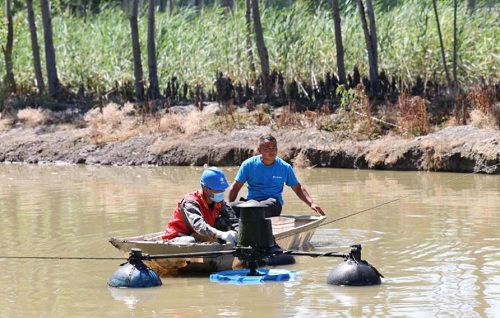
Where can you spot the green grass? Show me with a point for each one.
(96, 51)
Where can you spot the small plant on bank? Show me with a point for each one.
(346, 117)
(413, 115)
(186, 123)
(301, 160)
(290, 118)
(110, 123)
(30, 117)
(261, 116)
(355, 113)
(484, 101)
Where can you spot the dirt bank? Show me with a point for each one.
(456, 149)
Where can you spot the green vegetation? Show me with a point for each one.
(96, 49)
(94, 52)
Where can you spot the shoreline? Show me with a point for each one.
(462, 149)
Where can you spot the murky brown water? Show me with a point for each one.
(435, 237)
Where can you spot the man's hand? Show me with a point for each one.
(317, 209)
(229, 236)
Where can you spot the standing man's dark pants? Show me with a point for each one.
(273, 207)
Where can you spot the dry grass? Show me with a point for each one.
(289, 117)
(380, 155)
(460, 113)
(27, 117)
(482, 99)
(261, 116)
(388, 113)
(481, 120)
(30, 117)
(233, 117)
(5, 124)
(114, 122)
(495, 112)
(356, 119)
(188, 124)
(485, 110)
(7, 120)
(436, 152)
(413, 116)
(111, 123)
(363, 108)
(301, 161)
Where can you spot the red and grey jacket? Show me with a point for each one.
(194, 215)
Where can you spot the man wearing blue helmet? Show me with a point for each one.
(203, 215)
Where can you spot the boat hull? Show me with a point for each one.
(292, 232)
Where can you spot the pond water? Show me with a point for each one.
(434, 236)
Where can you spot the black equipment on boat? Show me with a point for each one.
(255, 238)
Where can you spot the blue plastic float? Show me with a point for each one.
(240, 276)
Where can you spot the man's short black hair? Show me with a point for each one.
(265, 138)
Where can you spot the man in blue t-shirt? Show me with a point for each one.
(265, 175)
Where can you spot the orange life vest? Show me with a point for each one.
(176, 224)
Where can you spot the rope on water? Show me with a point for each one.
(62, 258)
(313, 254)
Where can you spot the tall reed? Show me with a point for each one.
(96, 50)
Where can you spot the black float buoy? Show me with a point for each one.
(280, 259)
(134, 273)
(354, 271)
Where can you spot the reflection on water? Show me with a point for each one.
(343, 238)
(434, 236)
(131, 296)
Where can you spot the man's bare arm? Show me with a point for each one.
(302, 193)
(233, 190)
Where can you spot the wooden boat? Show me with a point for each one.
(292, 232)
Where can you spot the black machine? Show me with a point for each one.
(255, 238)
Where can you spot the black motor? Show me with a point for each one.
(255, 238)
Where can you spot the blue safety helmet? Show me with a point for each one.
(214, 178)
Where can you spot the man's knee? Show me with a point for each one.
(234, 206)
(273, 207)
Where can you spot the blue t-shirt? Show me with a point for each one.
(264, 181)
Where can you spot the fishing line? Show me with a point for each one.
(62, 257)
